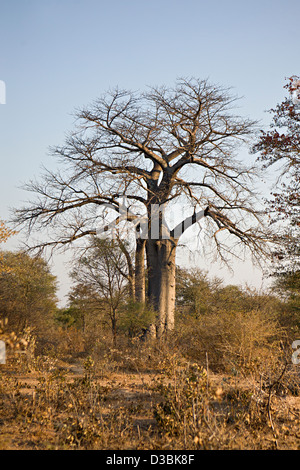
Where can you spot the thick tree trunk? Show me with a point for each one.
(131, 283)
(161, 282)
(139, 281)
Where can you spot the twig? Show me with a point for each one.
(206, 354)
(269, 403)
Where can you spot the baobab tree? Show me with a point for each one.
(156, 148)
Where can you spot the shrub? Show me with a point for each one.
(229, 339)
(135, 317)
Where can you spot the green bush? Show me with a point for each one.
(135, 317)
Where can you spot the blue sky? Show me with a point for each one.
(57, 56)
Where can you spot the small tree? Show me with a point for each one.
(103, 269)
(86, 306)
(136, 318)
(27, 291)
(195, 291)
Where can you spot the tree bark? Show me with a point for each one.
(161, 282)
(139, 281)
(114, 328)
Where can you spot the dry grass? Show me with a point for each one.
(144, 396)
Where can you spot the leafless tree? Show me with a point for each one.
(157, 148)
(104, 268)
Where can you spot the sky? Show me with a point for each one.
(59, 55)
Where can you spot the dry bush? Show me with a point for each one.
(188, 407)
(20, 347)
(61, 342)
(196, 414)
(231, 341)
